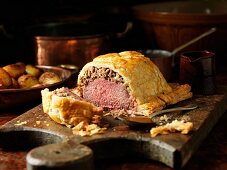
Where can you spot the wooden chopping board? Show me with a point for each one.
(53, 145)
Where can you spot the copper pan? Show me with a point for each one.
(72, 43)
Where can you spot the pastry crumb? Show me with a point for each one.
(174, 126)
(21, 123)
(164, 118)
(85, 129)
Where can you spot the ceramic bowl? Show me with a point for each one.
(168, 25)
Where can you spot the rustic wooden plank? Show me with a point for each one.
(173, 150)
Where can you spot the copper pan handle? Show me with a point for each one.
(210, 31)
(3, 32)
(128, 28)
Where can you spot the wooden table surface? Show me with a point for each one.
(211, 155)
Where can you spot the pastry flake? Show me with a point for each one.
(174, 126)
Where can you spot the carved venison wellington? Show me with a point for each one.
(117, 83)
(127, 81)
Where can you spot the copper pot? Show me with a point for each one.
(70, 43)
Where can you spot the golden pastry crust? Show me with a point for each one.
(179, 93)
(68, 110)
(140, 74)
(157, 103)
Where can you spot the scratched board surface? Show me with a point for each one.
(174, 149)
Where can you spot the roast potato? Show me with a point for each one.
(5, 79)
(27, 81)
(15, 70)
(30, 69)
(19, 75)
(15, 84)
(49, 78)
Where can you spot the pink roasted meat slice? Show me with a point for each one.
(108, 94)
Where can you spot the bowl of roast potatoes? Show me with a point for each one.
(21, 84)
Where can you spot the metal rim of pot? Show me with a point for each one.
(75, 30)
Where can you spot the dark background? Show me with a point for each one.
(17, 15)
